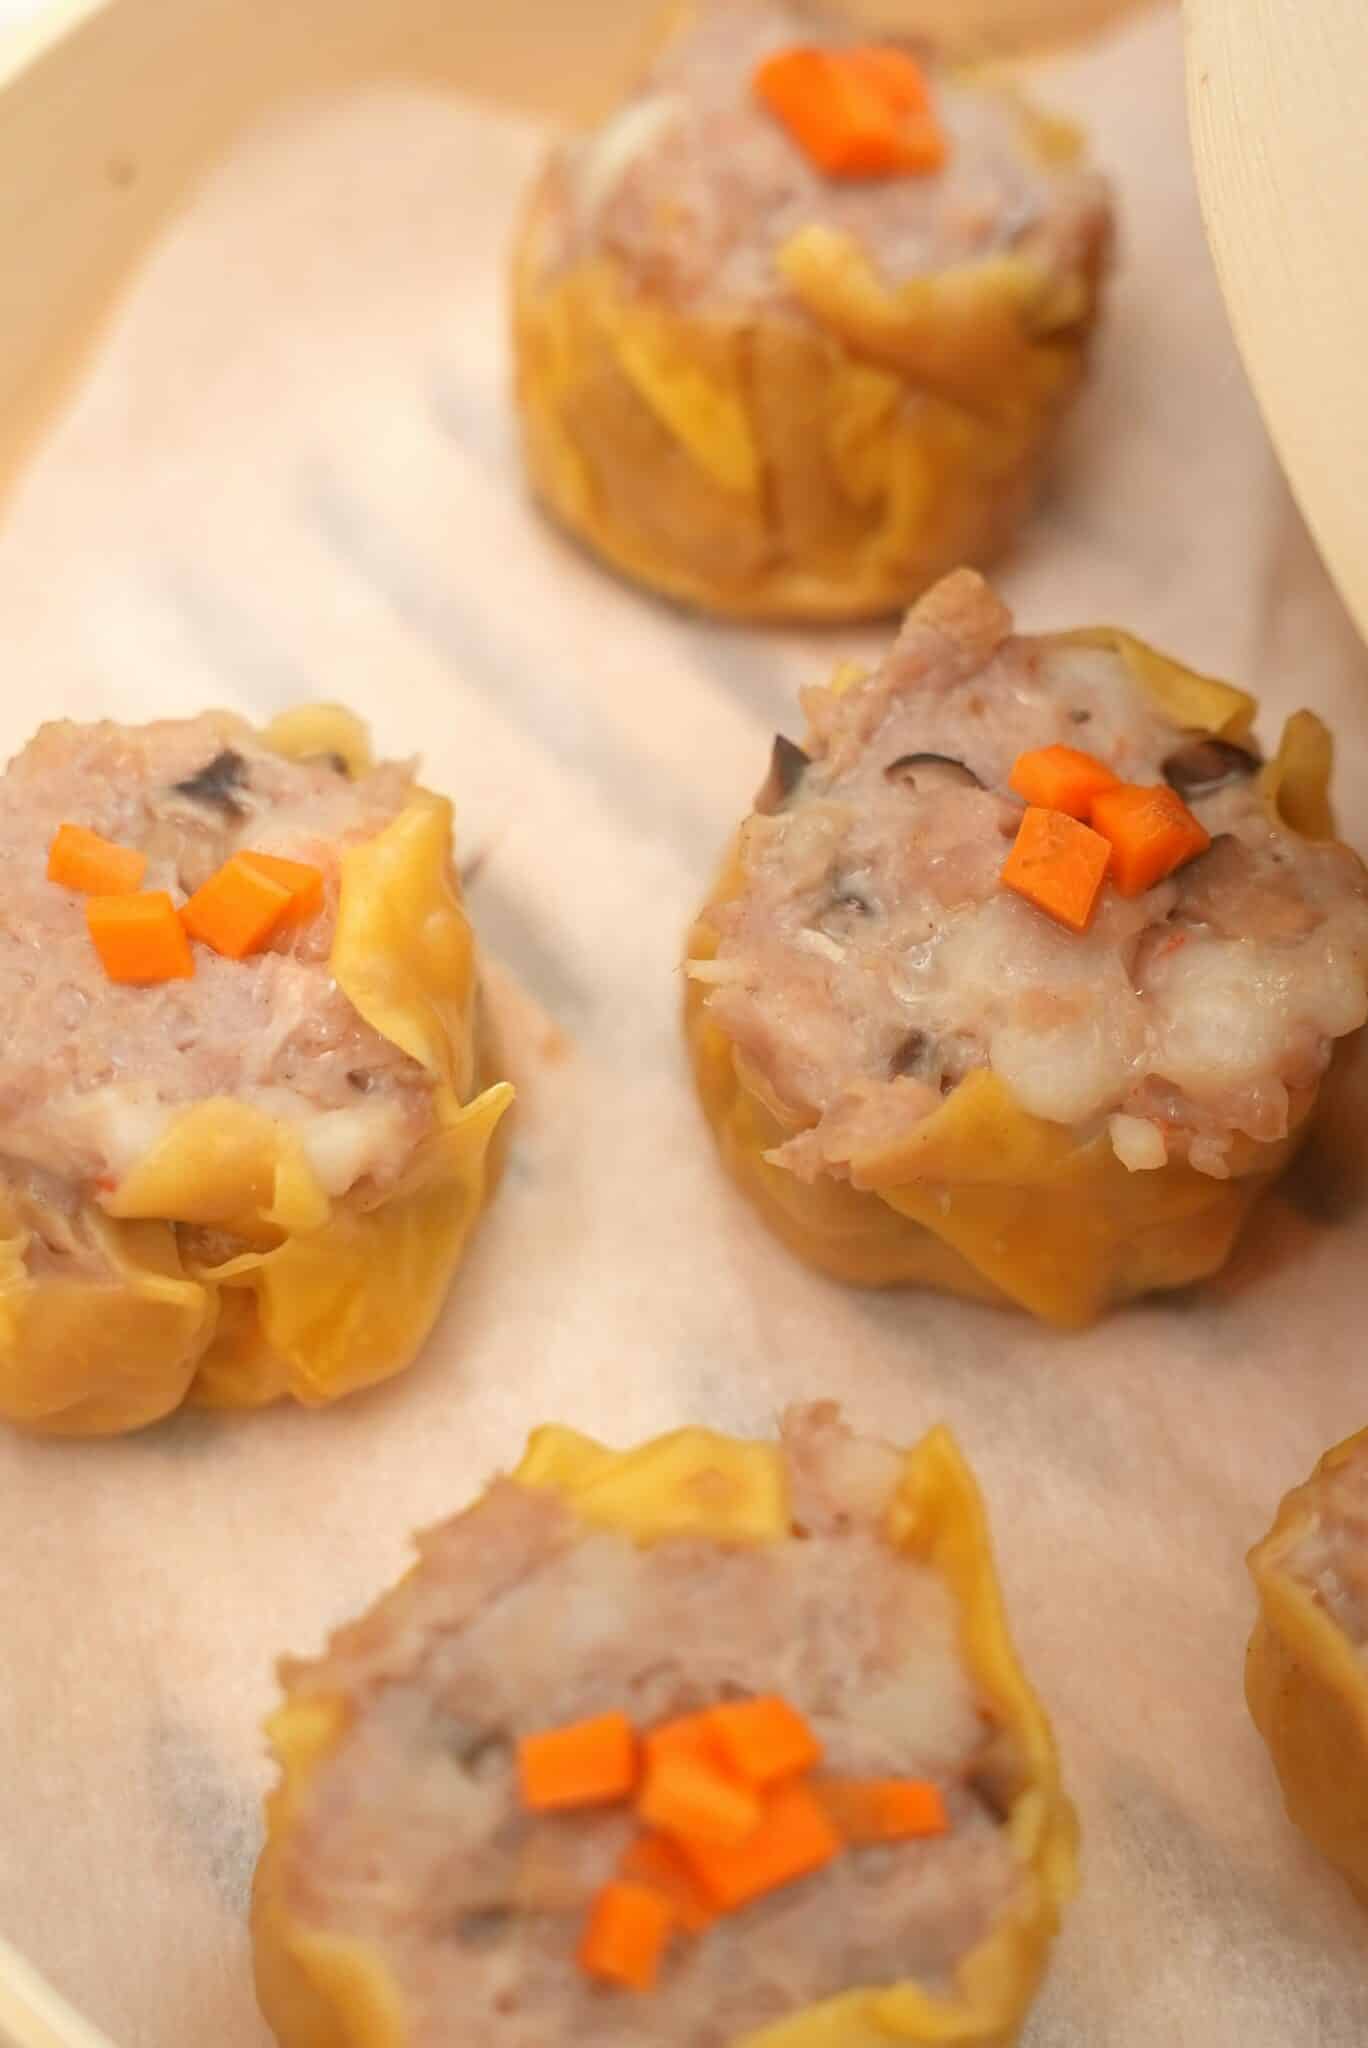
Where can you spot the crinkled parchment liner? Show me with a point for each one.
(983, 1199)
(329, 1298)
(1307, 1688)
(772, 468)
(324, 1992)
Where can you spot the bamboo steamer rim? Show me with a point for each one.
(1275, 90)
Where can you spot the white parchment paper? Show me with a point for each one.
(290, 474)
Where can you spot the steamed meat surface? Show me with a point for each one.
(1332, 1555)
(694, 189)
(872, 959)
(413, 1843)
(92, 1073)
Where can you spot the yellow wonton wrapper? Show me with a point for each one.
(1307, 1688)
(327, 1299)
(323, 1992)
(985, 1200)
(768, 466)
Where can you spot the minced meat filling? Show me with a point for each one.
(1332, 1555)
(693, 188)
(413, 1842)
(872, 959)
(92, 1072)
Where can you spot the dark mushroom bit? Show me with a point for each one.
(915, 1056)
(939, 1060)
(216, 782)
(1204, 765)
(931, 771)
(788, 763)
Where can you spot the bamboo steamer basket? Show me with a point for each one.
(111, 111)
(1274, 93)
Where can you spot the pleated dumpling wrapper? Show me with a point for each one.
(1306, 1677)
(247, 1129)
(705, 1742)
(1044, 1048)
(778, 381)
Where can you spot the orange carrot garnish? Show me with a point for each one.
(836, 117)
(653, 1860)
(764, 1740)
(922, 147)
(1058, 865)
(1151, 832)
(1062, 779)
(898, 76)
(587, 1763)
(906, 91)
(303, 881)
(626, 1937)
(80, 859)
(867, 1810)
(691, 1800)
(794, 1839)
(237, 911)
(140, 939)
(845, 117)
(687, 1735)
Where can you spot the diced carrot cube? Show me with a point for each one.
(867, 1810)
(840, 122)
(653, 1860)
(896, 74)
(692, 1800)
(842, 117)
(81, 859)
(902, 84)
(237, 911)
(140, 938)
(1062, 779)
(626, 1937)
(921, 146)
(686, 1735)
(793, 1840)
(764, 1740)
(1058, 865)
(1151, 832)
(587, 1763)
(303, 881)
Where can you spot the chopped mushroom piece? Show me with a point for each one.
(218, 782)
(787, 763)
(1205, 765)
(931, 771)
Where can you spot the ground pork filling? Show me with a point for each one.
(693, 187)
(92, 1073)
(413, 1842)
(1331, 1555)
(872, 958)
